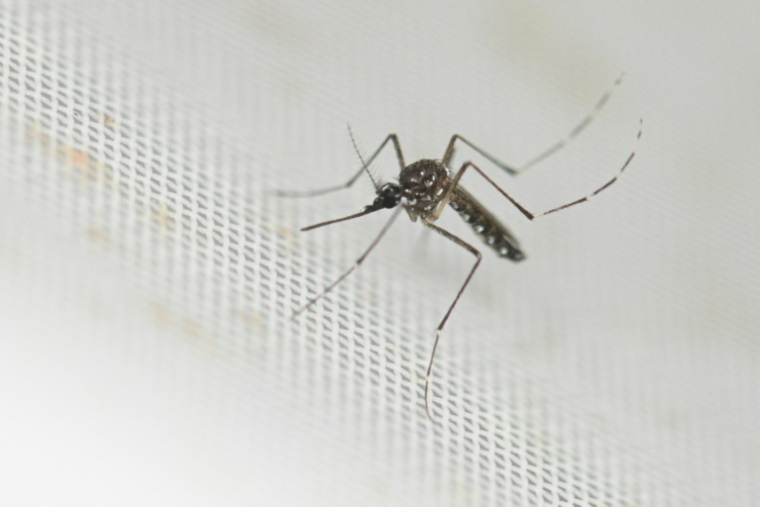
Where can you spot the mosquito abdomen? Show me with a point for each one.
(485, 225)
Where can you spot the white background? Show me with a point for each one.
(147, 273)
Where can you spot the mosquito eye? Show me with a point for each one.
(390, 200)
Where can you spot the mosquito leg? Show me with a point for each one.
(450, 153)
(357, 263)
(578, 128)
(322, 191)
(547, 152)
(478, 255)
(523, 210)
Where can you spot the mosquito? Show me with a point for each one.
(427, 186)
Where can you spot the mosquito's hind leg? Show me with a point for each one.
(450, 153)
(523, 210)
(350, 270)
(547, 152)
(578, 128)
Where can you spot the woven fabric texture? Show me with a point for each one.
(148, 271)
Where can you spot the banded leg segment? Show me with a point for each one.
(523, 210)
(479, 256)
(577, 130)
(547, 152)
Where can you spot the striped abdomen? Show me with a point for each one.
(485, 225)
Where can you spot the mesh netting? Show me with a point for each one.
(149, 273)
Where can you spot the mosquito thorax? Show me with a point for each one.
(423, 184)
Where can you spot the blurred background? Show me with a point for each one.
(148, 274)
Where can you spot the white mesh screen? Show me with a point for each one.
(148, 274)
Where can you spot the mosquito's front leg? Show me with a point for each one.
(479, 256)
(365, 167)
(357, 263)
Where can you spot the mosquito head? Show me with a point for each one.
(388, 196)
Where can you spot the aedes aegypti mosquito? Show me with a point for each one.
(424, 189)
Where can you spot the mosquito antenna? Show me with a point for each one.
(366, 211)
(364, 164)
